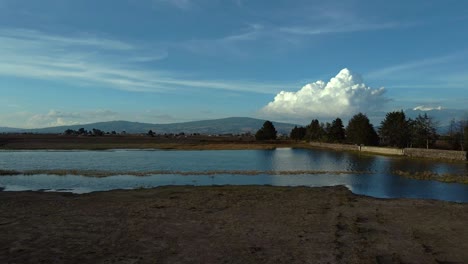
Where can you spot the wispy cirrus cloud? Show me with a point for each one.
(281, 35)
(439, 72)
(235, 44)
(333, 20)
(26, 37)
(416, 65)
(150, 58)
(336, 28)
(116, 65)
(187, 4)
(181, 4)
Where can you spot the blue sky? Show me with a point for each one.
(160, 61)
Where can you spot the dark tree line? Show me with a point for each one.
(423, 131)
(358, 131)
(298, 133)
(317, 131)
(83, 132)
(396, 130)
(97, 132)
(457, 134)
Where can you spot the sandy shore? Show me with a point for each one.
(229, 225)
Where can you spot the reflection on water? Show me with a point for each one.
(381, 183)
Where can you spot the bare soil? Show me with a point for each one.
(230, 224)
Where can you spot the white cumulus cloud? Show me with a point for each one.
(344, 95)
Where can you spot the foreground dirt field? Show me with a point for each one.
(229, 225)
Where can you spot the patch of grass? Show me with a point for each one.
(9, 172)
(428, 175)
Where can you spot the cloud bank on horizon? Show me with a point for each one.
(344, 95)
(426, 108)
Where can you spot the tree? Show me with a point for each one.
(82, 131)
(423, 131)
(452, 137)
(98, 132)
(336, 132)
(360, 131)
(457, 134)
(314, 131)
(70, 132)
(267, 132)
(150, 133)
(465, 138)
(298, 133)
(395, 129)
(326, 128)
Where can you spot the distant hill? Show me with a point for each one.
(10, 129)
(234, 125)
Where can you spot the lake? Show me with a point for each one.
(362, 174)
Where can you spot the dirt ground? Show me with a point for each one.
(231, 224)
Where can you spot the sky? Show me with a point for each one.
(162, 61)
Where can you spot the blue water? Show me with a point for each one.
(380, 183)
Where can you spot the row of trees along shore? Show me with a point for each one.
(396, 130)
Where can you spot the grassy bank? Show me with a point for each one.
(60, 142)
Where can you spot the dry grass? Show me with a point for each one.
(428, 175)
(9, 172)
(58, 142)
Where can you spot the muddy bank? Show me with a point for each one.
(100, 174)
(252, 224)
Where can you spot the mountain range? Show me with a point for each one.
(234, 125)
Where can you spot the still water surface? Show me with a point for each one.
(381, 182)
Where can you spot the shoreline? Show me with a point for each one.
(230, 224)
(139, 142)
(45, 142)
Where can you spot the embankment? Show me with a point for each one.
(409, 152)
(381, 150)
(334, 146)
